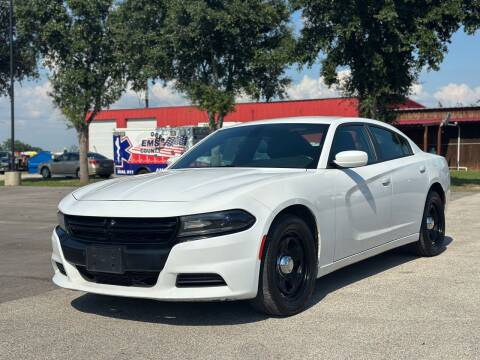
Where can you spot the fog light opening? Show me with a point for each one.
(61, 268)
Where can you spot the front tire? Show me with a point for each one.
(432, 232)
(289, 268)
(45, 172)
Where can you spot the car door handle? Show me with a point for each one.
(386, 181)
(422, 169)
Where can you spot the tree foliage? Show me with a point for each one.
(25, 52)
(19, 146)
(213, 51)
(385, 44)
(137, 29)
(85, 72)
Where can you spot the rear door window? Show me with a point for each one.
(389, 144)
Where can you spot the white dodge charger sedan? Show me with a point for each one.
(256, 211)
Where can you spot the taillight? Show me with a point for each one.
(93, 162)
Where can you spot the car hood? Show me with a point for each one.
(181, 185)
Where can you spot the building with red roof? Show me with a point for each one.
(422, 124)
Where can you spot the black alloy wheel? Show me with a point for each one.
(432, 232)
(289, 268)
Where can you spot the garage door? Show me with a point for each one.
(101, 137)
(141, 123)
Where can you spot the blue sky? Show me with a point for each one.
(39, 123)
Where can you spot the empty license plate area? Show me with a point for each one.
(108, 259)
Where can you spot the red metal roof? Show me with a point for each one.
(190, 115)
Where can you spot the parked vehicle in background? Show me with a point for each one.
(255, 211)
(141, 151)
(68, 164)
(34, 161)
(22, 159)
(4, 161)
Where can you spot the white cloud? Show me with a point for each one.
(37, 121)
(309, 88)
(167, 95)
(457, 94)
(159, 95)
(418, 93)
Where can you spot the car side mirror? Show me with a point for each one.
(351, 159)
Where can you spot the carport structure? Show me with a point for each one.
(457, 140)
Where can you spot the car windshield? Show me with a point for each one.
(264, 146)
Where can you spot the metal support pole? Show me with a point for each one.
(439, 140)
(12, 103)
(458, 147)
(425, 138)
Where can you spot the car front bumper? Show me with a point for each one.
(234, 257)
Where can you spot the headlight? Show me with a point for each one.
(61, 220)
(215, 223)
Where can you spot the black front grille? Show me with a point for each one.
(122, 230)
(199, 280)
(129, 278)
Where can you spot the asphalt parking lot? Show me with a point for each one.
(391, 306)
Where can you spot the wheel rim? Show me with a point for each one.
(434, 225)
(292, 270)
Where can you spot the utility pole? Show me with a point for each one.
(146, 95)
(12, 101)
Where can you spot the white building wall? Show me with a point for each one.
(141, 123)
(101, 137)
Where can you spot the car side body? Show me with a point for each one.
(353, 213)
(68, 164)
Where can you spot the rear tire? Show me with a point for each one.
(289, 268)
(432, 231)
(142, 171)
(45, 172)
(77, 174)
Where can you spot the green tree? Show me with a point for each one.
(25, 53)
(85, 72)
(213, 51)
(385, 44)
(19, 146)
(137, 29)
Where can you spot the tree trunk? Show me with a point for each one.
(367, 107)
(212, 124)
(220, 121)
(83, 146)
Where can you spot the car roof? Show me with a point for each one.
(329, 120)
